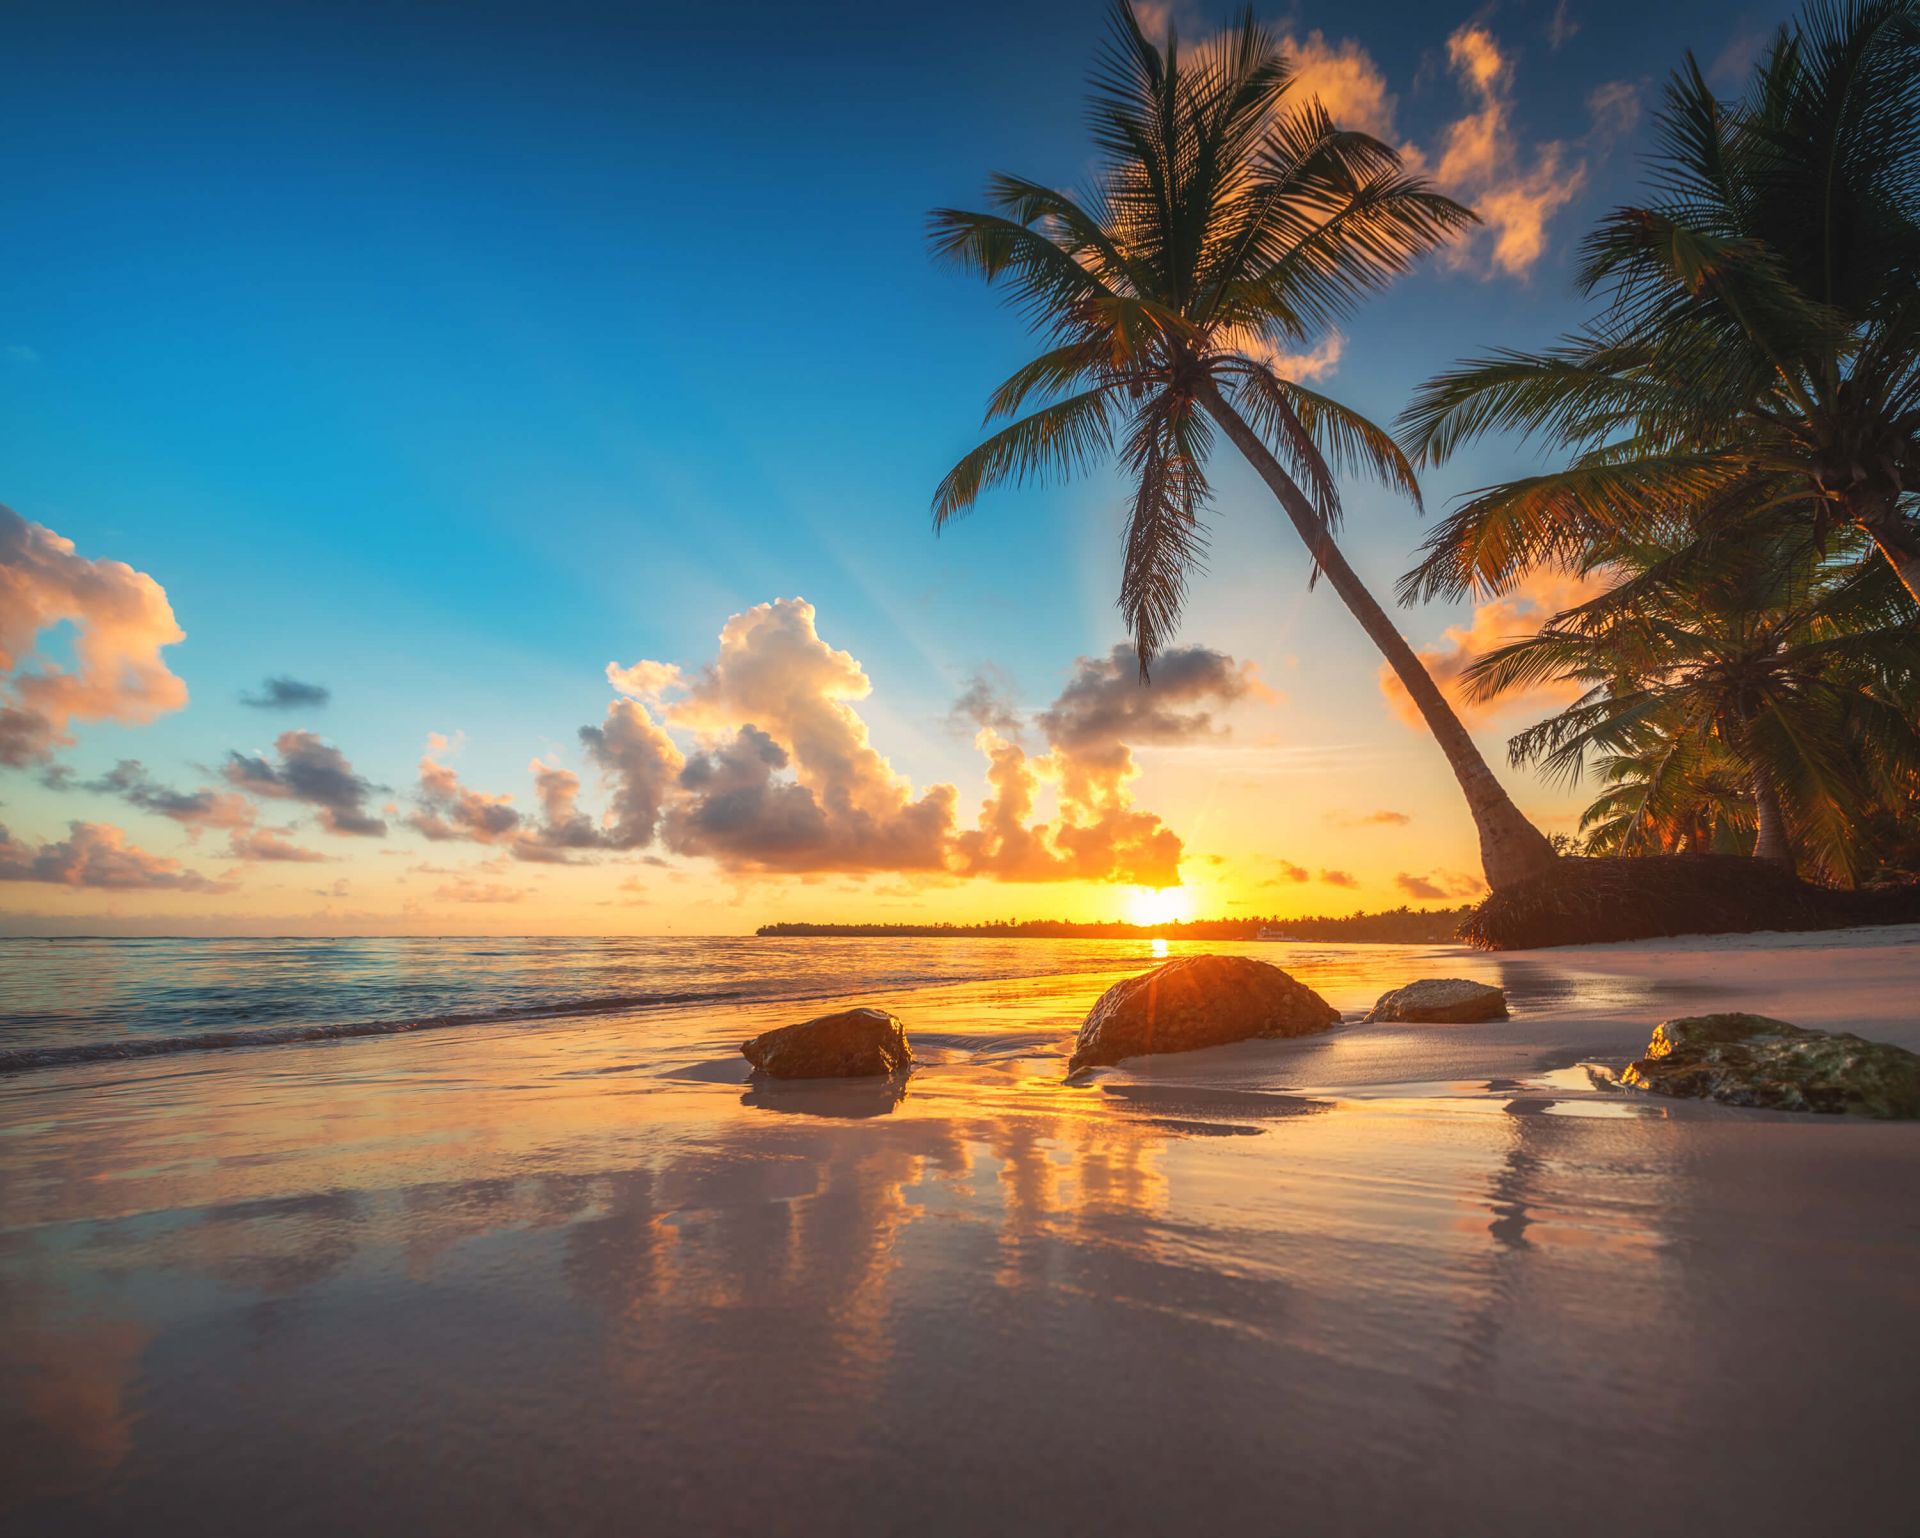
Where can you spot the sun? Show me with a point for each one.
(1149, 905)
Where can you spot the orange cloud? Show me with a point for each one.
(96, 854)
(1480, 162)
(1346, 80)
(121, 620)
(1509, 617)
(781, 773)
(1439, 885)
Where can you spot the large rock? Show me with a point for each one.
(1443, 1001)
(1753, 1061)
(1197, 1001)
(856, 1043)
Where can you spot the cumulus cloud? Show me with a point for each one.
(449, 810)
(1343, 878)
(312, 771)
(1091, 730)
(121, 621)
(986, 703)
(97, 854)
(641, 763)
(643, 680)
(283, 693)
(1289, 872)
(1509, 617)
(760, 761)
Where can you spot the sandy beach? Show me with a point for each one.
(583, 1278)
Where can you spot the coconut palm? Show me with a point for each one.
(1779, 672)
(1760, 333)
(1226, 223)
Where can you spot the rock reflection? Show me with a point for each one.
(839, 1099)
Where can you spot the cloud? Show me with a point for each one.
(270, 845)
(1561, 26)
(1382, 818)
(121, 621)
(1315, 362)
(449, 810)
(1345, 78)
(197, 810)
(642, 764)
(283, 693)
(97, 854)
(986, 703)
(1438, 885)
(760, 761)
(314, 772)
(1614, 107)
(1509, 617)
(1480, 162)
(464, 891)
(643, 680)
(787, 777)
(1091, 728)
(1344, 878)
(1289, 872)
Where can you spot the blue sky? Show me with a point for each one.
(443, 353)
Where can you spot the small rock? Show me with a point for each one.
(856, 1043)
(1442, 1001)
(1197, 1001)
(1751, 1060)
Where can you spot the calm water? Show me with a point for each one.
(63, 999)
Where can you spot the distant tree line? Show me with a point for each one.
(1395, 926)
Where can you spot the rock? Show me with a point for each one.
(856, 1043)
(1753, 1061)
(1443, 1001)
(1197, 1001)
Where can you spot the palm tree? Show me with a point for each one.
(1761, 324)
(1777, 671)
(1225, 223)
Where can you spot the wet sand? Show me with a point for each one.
(1422, 1279)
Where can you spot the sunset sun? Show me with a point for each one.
(1148, 905)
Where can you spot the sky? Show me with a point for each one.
(468, 468)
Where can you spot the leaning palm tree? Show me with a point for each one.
(1760, 324)
(1226, 222)
(1790, 671)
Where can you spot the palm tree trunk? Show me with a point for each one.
(1770, 843)
(1511, 848)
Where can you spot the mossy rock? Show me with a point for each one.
(1751, 1060)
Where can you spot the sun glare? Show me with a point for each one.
(1148, 905)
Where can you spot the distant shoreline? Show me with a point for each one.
(1396, 926)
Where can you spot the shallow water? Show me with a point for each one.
(70, 999)
(580, 1276)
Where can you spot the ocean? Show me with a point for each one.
(74, 1000)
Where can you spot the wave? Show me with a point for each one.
(19, 1059)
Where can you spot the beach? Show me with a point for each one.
(574, 1273)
